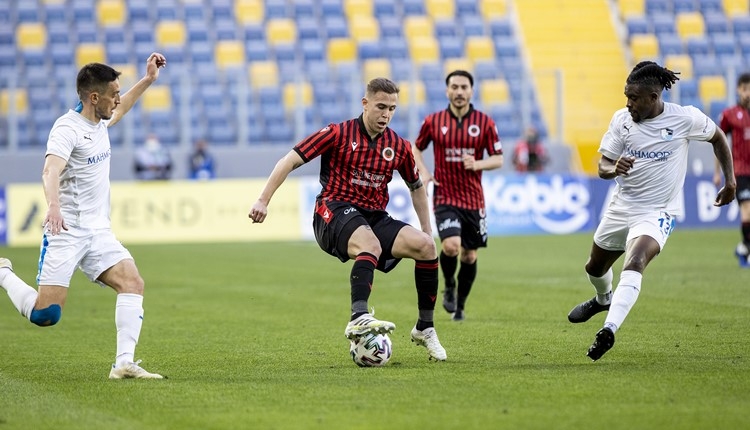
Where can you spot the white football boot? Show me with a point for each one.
(429, 339)
(366, 323)
(132, 371)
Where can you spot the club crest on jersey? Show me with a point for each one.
(473, 130)
(444, 129)
(388, 153)
(667, 134)
(354, 145)
(324, 129)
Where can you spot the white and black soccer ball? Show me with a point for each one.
(371, 350)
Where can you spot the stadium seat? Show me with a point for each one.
(466, 7)
(452, 64)
(712, 88)
(170, 33)
(354, 8)
(312, 50)
(716, 23)
(370, 49)
(226, 29)
(264, 74)
(31, 36)
(493, 9)
(249, 11)
(690, 24)
(118, 53)
(395, 48)
(671, 44)
(281, 30)
(451, 47)
(631, 8)
(501, 27)
(364, 28)
(194, 12)
(423, 50)
(698, 45)
(341, 50)
(658, 6)
(412, 93)
(111, 13)
(480, 48)
(440, 9)
(335, 27)
(741, 24)
(19, 103)
(304, 9)
(681, 63)
(374, 68)
(221, 9)
(472, 25)
(413, 8)
(723, 44)
(27, 11)
(644, 47)
(486, 70)
(285, 53)
(494, 92)
(229, 53)
(276, 9)
(90, 53)
(734, 8)
(431, 72)
(663, 23)
(637, 25)
(297, 95)
(681, 6)
(706, 65)
(506, 47)
(330, 8)
(157, 98)
(308, 28)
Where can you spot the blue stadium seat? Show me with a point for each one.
(119, 53)
(716, 23)
(197, 31)
(657, 6)
(697, 46)
(205, 74)
(114, 35)
(369, 49)
(312, 50)
(384, 9)
(58, 33)
(396, 49)
(27, 11)
(193, 12)
(166, 10)
(222, 9)
(715, 107)
(139, 10)
(325, 94)
(723, 44)
(83, 12)
(512, 68)
(335, 26)
(303, 9)
(276, 9)
(663, 23)
(706, 65)
(413, 7)
(401, 70)
(257, 51)
(707, 6)
(8, 56)
(330, 8)
(637, 25)
(466, 7)
(201, 52)
(285, 52)
(506, 47)
(431, 72)
(684, 6)
(445, 27)
(87, 34)
(143, 32)
(451, 47)
(253, 32)
(484, 70)
(670, 44)
(501, 27)
(55, 12)
(308, 28)
(473, 25)
(225, 29)
(744, 40)
(391, 28)
(741, 24)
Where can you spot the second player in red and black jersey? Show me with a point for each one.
(735, 121)
(358, 158)
(460, 136)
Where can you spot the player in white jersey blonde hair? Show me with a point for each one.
(77, 231)
(645, 152)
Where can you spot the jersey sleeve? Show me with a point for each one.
(494, 145)
(613, 144)
(408, 169)
(62, 140)
(702, 127)
(425, 134)
(317, 143)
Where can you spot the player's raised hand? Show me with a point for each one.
(155, 62)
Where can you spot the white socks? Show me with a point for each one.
(603, 287)
(21, 294)
(128, 320)
(623, 299)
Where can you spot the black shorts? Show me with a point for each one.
(335, 222)
(743, 188)
(471, 225)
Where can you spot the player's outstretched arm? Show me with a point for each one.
(724, 157)
(154, 62)
(289, 162)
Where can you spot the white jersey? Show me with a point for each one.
(84, 182)
(660, 148)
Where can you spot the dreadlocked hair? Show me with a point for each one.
(651, 74)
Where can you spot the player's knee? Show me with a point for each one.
(47, 316)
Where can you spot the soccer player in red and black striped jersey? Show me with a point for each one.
(358, 158)
(460, 136)
(736, 121)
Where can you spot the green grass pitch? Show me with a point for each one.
(251, 337)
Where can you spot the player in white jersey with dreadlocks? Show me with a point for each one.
(77, 231)
(646, 151)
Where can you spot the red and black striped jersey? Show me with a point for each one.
(355, 168)
(736, 120)
(452, 137)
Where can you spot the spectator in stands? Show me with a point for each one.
(77, 228)
(358, 159)
(460, 135)
(201, 161)
(736, 120)
(152, 160)
(529, 155)
(645, 151)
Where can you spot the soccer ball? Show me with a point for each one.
(371, 350)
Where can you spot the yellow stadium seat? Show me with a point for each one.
(342, 50)
(411, 93)
(424, 50)
(418, 26)
(644, 47)
(354, 8)
(690, 24)
(170, 33)
(681, 63)
(297, 95)
(229, 53)
(494, 92)
(493, 9)
(735, 7)
(712, 88)
(249, 11)
(111, 13)
(364, 28)
(281, 30)
(157, 98)
(20, 104)
(376, 68)
(479, 48)
(90, 53)
(452, 64)
(31, 36)
(264, 74)
(630, 8)
(441, 9)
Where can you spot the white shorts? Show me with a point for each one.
(618, 227)
(92, 251)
